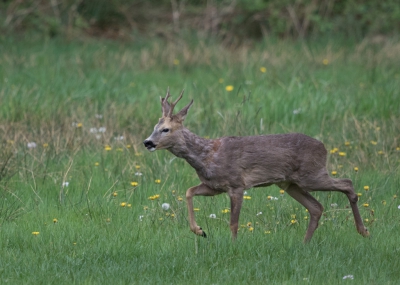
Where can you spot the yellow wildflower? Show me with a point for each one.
(137, 166)
(115, 194)
(107, 148)
(196, 209)
(346, 143)
(374, 142)
(263, 69)
(225, 211)
(384, 202)
(293, 221)
(381, 152)
(281, 191)
(366, 205)
(35, 233)
(325, 61)
(366, 188)
(249, 224)
(229, 88)
(246, 197)
(180, 199)
(157, 181)
(96, 164)
(251, 229)
(356, 169)
(267, 232)
(334, 150)
(334, 172)
(55, 220)
(123, 204)
(134, 183)
(45, 145)
(176, 61)
(79, 125)
(359, 194)
(342, 153)
(129, 205)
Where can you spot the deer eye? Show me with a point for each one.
(165, 130)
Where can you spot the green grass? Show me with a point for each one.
(51, 92)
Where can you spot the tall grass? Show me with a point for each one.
(79, 207)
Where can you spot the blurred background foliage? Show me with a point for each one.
(229, 21)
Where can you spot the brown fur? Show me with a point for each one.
(294, 162)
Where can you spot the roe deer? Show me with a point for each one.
(294, 162)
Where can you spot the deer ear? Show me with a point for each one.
(181, 115)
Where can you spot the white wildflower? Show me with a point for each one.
(259, 213)
(120, 138)
(141, 218)
(31, 145)
(334, 205)
(98, 116)
(296, 111)
(245, 193)
(348, 277)
(93, 130)
(213, 216)
(65, 184)
(138, 174)
(165, 206)
(398, 207)
(98, 137)
(102, 129)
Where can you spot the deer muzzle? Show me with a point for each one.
(149, 145)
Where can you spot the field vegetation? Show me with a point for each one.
(82, 200)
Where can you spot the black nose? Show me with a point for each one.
(149, 144)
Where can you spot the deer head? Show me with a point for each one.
(166, 132)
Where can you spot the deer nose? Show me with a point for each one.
(149, 144)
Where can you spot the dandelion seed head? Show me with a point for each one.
(165, 206)
(31, 145)
(213, 216)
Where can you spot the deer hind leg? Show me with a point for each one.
(324, 182)
(311, 204)
(200, 190)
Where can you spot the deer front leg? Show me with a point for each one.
(199, 190)
(236, 196)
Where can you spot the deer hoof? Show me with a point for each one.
(203, 233)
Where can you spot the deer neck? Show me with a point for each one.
(194, 149)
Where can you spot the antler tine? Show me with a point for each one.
(168, 95)
(174, 103)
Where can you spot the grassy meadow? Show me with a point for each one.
(81, 198)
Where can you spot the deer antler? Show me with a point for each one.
(171, 110)
(164, 104)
